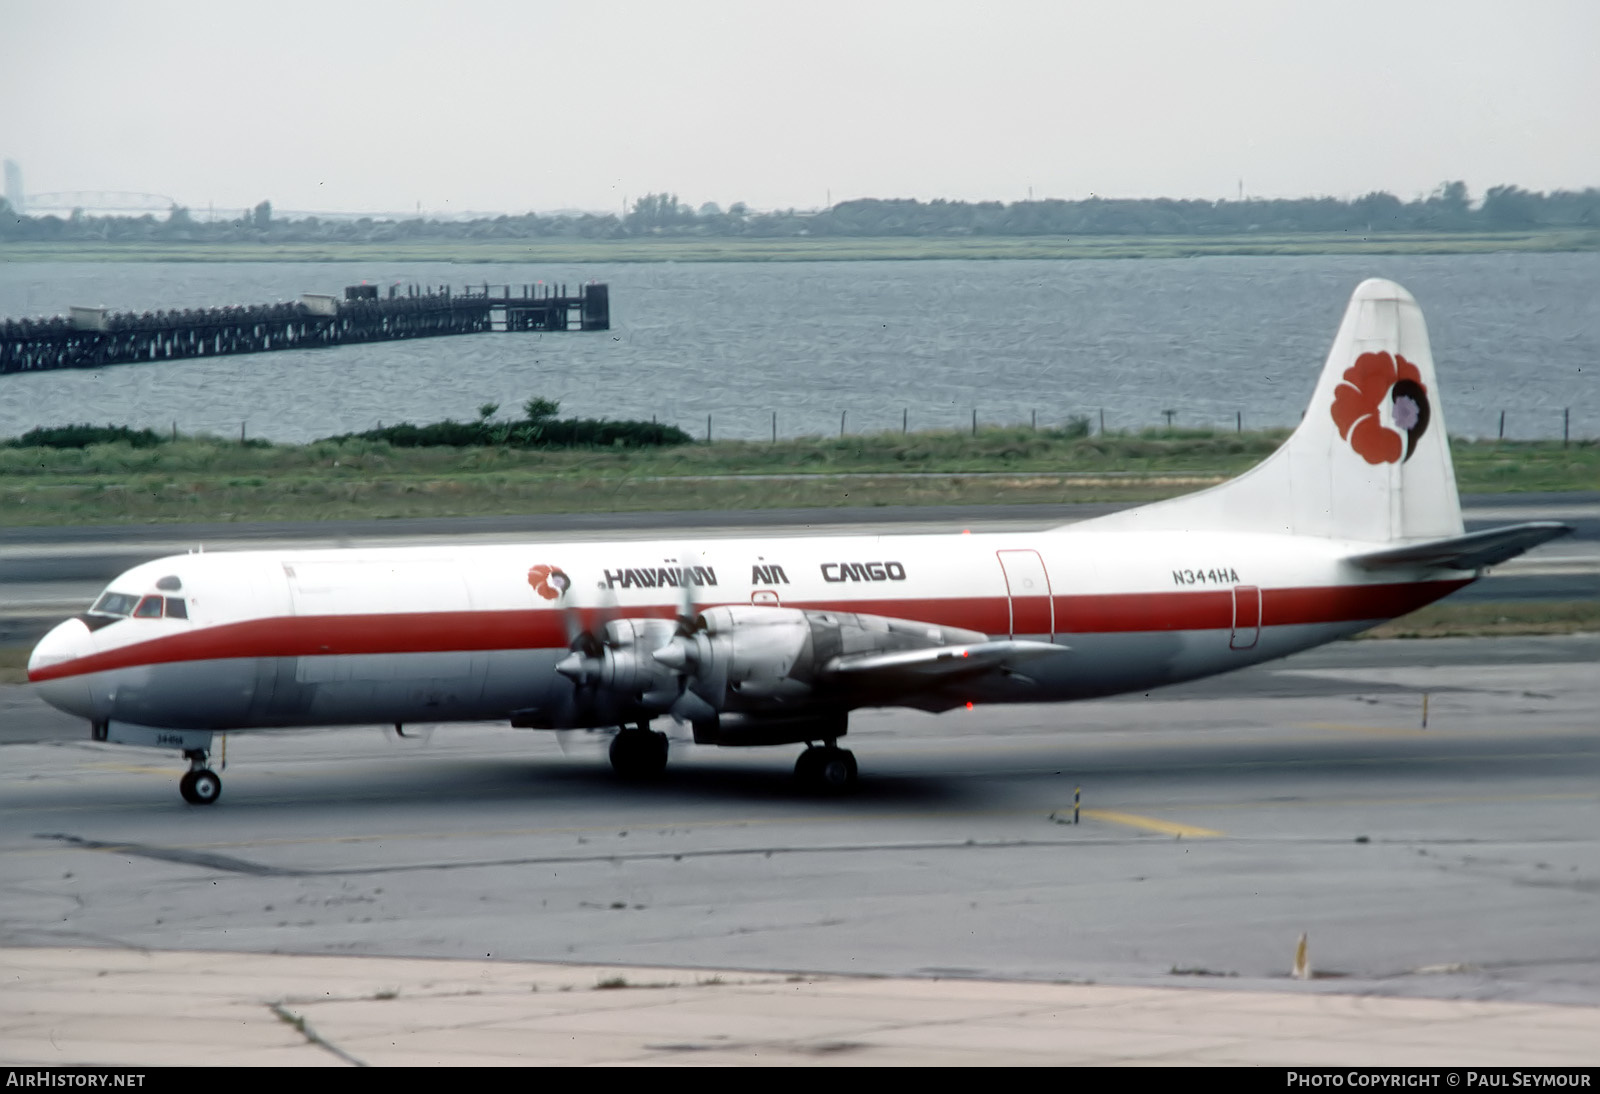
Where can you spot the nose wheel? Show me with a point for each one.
(201, 785)
(827, 769)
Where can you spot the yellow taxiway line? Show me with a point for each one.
(1151, 824)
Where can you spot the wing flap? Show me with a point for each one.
(1471, 551)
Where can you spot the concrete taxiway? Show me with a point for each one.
(133, 1008)
(1455, 868)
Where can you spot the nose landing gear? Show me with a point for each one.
(200, 785)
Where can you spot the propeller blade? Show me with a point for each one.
(586, 625)
(688, 600)
(659, 698)
(689, 707)
(566, 739)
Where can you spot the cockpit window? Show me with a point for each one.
(114, 604)
(149, 607)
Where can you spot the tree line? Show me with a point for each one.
(1450, 208)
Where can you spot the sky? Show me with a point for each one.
(536, 106)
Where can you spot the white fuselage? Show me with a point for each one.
(296, 638)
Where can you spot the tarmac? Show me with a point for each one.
(327, 912)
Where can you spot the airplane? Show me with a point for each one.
(1354, 520)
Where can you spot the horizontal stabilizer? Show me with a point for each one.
(1472, 551)
(940, 662)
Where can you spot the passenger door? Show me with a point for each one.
(1246, 617)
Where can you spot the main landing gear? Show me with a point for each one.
(201, 785)
(826, 768)
(639, 753)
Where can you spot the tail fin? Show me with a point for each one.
(1370, 460)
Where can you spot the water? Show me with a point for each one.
(1206, 338)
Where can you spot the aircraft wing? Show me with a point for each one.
(938, 664)
(1471, 551)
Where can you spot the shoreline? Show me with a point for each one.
(818, 249)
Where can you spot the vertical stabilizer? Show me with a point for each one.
(1370, 460)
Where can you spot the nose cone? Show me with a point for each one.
(51, 668)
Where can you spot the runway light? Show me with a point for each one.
(969, 706)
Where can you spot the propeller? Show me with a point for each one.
(613, 654)
(587, 643)
(681, 654)
(582, 666)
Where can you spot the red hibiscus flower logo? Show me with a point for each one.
(1358, 400)
(549, 582)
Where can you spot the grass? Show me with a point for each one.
(1482, 620)
(14, 664)
(804, 249)
(211, 479)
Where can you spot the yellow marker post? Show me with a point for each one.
(1302, 964)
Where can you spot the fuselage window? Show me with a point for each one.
(149, 608)
(114, 604)
(176, 608)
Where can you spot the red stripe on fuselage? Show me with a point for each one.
(451, 632)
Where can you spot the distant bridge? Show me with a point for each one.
(93, 337)
(98, 201)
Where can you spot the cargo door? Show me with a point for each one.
(1028, 592)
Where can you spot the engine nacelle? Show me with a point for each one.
(750, 657)
(744, 659)
(748, 648)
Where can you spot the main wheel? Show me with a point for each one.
(639, 754)
(829, 770)
(200, 787)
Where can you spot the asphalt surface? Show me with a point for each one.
(1219, 821)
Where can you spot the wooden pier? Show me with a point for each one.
(93, 337)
